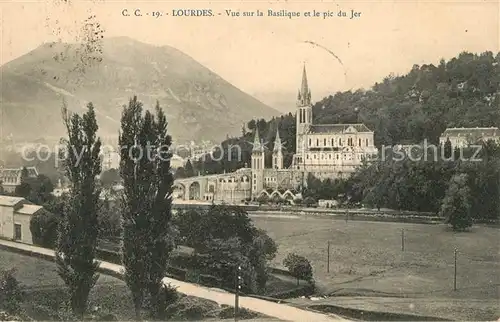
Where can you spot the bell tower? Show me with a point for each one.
(304, 113)
(258, 165)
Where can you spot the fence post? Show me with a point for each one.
(237, 293)
(328, 258)
(455, 274)
(402, 239)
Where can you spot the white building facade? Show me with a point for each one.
(15, 217)
(461, 136)
(328, 150)
(325, 151)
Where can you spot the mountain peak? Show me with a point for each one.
(193, 97)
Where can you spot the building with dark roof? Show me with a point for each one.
(11, 177)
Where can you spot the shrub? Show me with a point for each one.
(170, 294)
(107, 317)
(167, 297)
(299, 267)
(11, 293)
(309, 201)
(262, 199)
(43, 227)
(192, 308)
(456, 206)
(227, 312)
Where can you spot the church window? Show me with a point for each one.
(359, 142)
(309, 142)
(337, 156)
(317, 142)
(340, 141)
(332, 141)
(307, 156)
(329, 156)
(324, 142)
(366, 142)
(314, 156)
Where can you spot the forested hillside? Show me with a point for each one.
(463, 91)
(420, 105)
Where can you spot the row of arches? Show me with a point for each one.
(285, 195)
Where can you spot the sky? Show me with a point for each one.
(266, 54)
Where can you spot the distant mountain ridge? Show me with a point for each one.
(199, 104)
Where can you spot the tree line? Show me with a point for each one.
(464, 188)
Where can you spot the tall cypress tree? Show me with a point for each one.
(78, 230)
(147, 233)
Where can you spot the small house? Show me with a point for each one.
(15, 217)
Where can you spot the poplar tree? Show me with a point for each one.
(78, 230)
(147, 179)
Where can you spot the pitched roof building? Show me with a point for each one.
(15, 217)
(462, 136)
(11, 177)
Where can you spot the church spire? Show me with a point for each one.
(257, 146)
(304, 89)
(277, 142)
(304, 96)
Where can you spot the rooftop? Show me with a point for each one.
(339, 128)
(28, 209)
(16, 172)
(10, 201)
(478, 131)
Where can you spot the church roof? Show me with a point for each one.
(478, 131)
(16, 172)
(257, 144)
(277, 142)
(339, 128)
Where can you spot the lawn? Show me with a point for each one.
(46, 293)
(366, 259)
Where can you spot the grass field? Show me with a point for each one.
(366, 259)
(46, 292)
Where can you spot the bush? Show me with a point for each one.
(170, 294)
(43, 227)
(107, 317)
(227, 312)
(192, 308)
(11, 293)
(456, 207)
(193, 276)
(262, 199)
(309, 201)
(299, 267)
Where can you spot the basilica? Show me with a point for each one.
(323, 150)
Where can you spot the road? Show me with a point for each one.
(279, 311)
